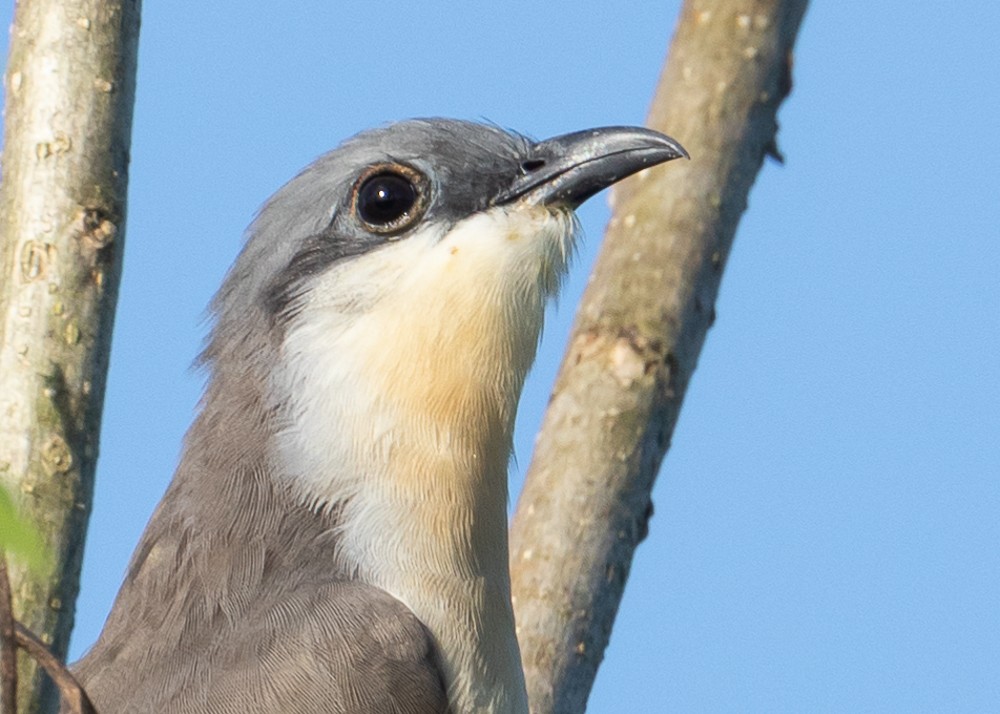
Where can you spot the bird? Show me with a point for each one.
(334, 538)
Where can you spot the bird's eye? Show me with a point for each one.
(385, 198)
(388, 199)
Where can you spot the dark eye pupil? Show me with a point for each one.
(384, 198)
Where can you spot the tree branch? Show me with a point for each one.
(8, 645)
(70, 86)
(14, 635)
(73, 694)
(636, 340)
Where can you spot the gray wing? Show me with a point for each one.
(340, 647)
(237, 599)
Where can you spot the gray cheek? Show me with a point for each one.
(317, 255)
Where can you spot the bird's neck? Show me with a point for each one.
(401, 378)
(442, 550)
(412, 445)
(422, 503)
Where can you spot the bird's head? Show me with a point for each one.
(418, 210)
(406, 271)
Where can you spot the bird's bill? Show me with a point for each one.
(567, 170)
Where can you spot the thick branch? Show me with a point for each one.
(640, 327)
(69, 86)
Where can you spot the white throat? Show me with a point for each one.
(413, 443)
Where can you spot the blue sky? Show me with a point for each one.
(827, 527)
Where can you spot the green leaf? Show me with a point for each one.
(18, 536)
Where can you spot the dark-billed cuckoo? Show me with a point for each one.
(335, 536)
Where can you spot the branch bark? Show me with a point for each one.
(70, 87)
(638, 332)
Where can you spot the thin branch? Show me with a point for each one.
(8, 645)
(73, 694)
(641, 325)
(14, 635)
